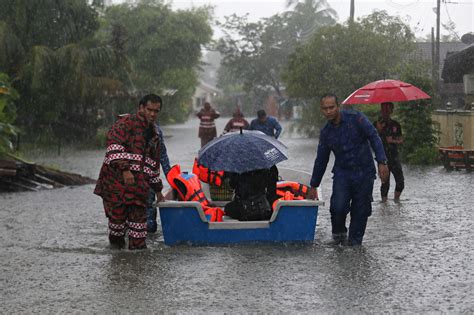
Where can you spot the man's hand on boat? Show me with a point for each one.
(159, 197)
(128, 177)
(313, 193)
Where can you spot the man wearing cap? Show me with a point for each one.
(266, 124)
(390, 132)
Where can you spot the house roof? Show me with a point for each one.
(458, 64)
(423, 51)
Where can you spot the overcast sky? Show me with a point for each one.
(417, 13)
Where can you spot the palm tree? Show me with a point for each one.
(309, 15)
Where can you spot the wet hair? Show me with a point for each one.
(326, 95)
(261, 113)
(389, 104)
(153, 98)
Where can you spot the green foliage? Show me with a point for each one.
(255, 53)
(49, 23)
(342, 58)
(420, 135)
(164, 49)
(61, 73)
(100, 140)
(68, 70)
(423, 155)
(7, 114)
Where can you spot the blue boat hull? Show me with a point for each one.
(185, 222)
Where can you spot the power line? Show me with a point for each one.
(452, 24)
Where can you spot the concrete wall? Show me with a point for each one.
(456, 127)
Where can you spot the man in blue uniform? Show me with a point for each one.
(165, 166)
(266, 124)
(349, 135)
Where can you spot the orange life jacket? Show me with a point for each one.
(297, 189)
(206, 175)
(286, 196)
(215, 214)
(187, 186)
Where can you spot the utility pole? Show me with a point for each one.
(433, 56)
(437, 55)
(351, 18)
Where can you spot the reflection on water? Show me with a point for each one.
(417, 256)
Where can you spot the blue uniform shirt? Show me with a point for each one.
(164, 160)
(350, 142)
(268, 127)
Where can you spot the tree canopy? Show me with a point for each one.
(256, 52)
(164, 48)
(74, 60)
(343, 57)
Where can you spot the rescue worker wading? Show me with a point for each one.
(350, 136)
(130, 169)
(237, 122)
(207, 127)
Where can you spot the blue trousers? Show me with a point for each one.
(354, 197)
(151, 213)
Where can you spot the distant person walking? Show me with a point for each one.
(236, 122)
(350, 136)
(267, 124)
(390, 132)
(207, 127)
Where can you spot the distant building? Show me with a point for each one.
(449, 91)
(458, 75)
(204, 93)
(456, 120)
(423, 51)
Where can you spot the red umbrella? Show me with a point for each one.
(385, 91)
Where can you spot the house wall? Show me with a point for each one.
(201, 96)
(456, 127)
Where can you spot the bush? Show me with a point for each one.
(425, 155)
(101, 137)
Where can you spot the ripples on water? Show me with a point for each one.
(417, 255)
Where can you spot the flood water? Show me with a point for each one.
(417, 254)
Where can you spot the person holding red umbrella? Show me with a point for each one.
(390, 132)
(350, 136)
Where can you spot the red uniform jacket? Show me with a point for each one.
(235, 124)
(126, 150)
(207, 127)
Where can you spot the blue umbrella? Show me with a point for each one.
(241, 152)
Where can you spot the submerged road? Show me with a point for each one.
(417, 254)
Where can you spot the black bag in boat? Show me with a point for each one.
(254, 208)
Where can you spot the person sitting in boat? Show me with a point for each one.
(237, 122)
(254, 192)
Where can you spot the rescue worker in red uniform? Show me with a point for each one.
(236, 122)
(131, 167)
(207, 127)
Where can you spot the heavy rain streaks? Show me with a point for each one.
(416, 255)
